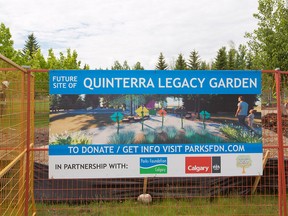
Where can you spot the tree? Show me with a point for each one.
(125, 65)
(161, 64)
(194, 62)
(231, 59)
(31, 46)
(92, 100)
(180, 63)
(204, 65)
(117, 66)
(241, 61)
(70, 60)
(221, 62)
(138, 66)
(6, 43)
(269, 42)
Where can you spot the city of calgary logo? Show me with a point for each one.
(195, 165)
(153, 165)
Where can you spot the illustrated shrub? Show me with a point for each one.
(126, 137)
(237, 134)
(71, 139)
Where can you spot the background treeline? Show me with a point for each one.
(267, 48)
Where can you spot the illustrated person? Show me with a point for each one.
(242, 111)
(4, 86)
(251, 117)
(284, 109)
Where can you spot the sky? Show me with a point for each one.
(103, 31)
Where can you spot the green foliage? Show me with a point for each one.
(269, 42)
(126, 137)
(138, 66)
(71, 139)
(161, 64)
(180, 63)
(238, 134)
(6, 43)
(31, 46)
(194, 62)
(221, 61)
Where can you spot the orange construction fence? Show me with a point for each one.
(26, 190)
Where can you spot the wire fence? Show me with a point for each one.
(16, 132)
(265, 195)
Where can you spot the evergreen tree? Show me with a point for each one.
(221, 62)
(125, 66)
(241, 57)
(194, 62)
(180, 63)
(31, 46)
(117, 66)
(138, 66)
(204, 65)
(231, 59)
(161, 65)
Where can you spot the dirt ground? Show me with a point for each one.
(71, 123)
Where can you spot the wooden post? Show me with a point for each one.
(257, 180)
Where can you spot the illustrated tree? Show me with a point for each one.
(194, 62)
(91, 101)
(180, 63)
(161, 64)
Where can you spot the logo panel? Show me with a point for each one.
(216, 164)
(153, 165)
(195, 165)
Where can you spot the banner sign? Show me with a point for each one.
(119, 124)
(149, 82)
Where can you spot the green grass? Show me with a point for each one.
(41, 118)
(255, 205)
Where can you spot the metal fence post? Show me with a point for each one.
(281, 166)
(27, 176)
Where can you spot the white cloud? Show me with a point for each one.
(104, 31)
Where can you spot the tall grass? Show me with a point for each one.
(255, 205)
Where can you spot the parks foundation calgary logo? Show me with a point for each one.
(196, 165)
(153, 165)
(244, 162)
